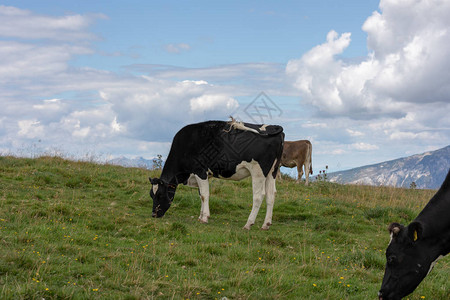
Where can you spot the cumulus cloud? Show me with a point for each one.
(149, 101)
(391, 103)
(212, 102)
(30, 128)
(93, 106)
(408, 63)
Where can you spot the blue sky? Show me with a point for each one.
(217, 32)
(365, 81)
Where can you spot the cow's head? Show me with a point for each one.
(160, 196)
(408, 261)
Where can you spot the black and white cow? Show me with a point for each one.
(414, 249)
(230, 150)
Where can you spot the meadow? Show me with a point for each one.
(81, 230)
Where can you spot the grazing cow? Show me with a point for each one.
(414, 249)
(298, 153)
(230, 150)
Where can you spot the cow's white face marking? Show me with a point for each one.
(155, 188)
(263, 128)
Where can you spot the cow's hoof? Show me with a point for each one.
(266, 226)
(247, 226)
(203, 220)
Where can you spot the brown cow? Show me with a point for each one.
(297, 153)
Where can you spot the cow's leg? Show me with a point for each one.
(307, 166)
(203, 187)
(279, 174)
(270, 199)
(300, 172)
(258, 186)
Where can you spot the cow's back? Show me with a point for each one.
(435, 213)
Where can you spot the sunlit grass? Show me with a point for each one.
(78, 230)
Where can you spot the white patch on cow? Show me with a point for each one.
(192, 181)
(259, 189)
(433, 263)
(243, 170)
(155, 188)
(263, 128)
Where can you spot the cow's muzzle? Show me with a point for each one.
(384, 296)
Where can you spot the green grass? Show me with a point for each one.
(78, 230)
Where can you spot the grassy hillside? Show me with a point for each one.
(75, 230)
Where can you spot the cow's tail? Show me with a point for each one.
(279, 154)
(310, 158)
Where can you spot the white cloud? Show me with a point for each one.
(81, 132)
(395, 101)
(314, 125)
(177, 48)
(408, 63)
(147, 101)
(30, 128)
(116, 126)
(26, 60)
(198, 82)
(20, 23)
(247, 78)
(363, 146)
(355, 132)
(212, 102)
(337, 152)
(111, 106)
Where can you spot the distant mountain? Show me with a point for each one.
(138, 162)
(426, 170)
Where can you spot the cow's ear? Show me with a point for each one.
(155, 181)
(415, 230)
(395, 229)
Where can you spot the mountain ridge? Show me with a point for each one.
(426, 170)
(138, 162)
